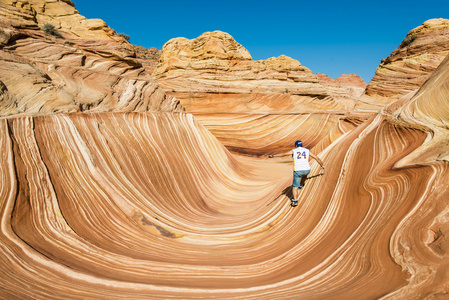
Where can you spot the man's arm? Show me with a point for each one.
(317, 159)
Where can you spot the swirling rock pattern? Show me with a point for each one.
(63, 16)
(69, 218)
(215, 63)
(272, 134)
(402, 73)
(44, 74)
(428, 110)
(252, 106)
(152, 206)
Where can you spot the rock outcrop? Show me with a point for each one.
(429, 110)
(353, 84)
(62, 71)
(215, 78)
(63, 16)
(214, 63)
(409, 66)
(349, 80)
(149, 58)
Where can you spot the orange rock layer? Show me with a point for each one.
(45, 74)
(409, 66)
(215, 77)
(152, 206)
(215, 63)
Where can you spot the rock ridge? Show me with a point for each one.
(214, 64)
(73, 71)
(409, 66)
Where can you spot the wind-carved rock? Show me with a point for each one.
(352, 83)
(407, 68)
(215, 78)
(214, 63)
(63, 15)
(75, 70)
(428, 110)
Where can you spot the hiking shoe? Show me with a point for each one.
(294, 203)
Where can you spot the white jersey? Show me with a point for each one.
(301, 159)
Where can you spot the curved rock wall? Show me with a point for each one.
(273, 134)
(407, 68)
(43, 74)
(152, 206)
(215, 79)
(429, 110)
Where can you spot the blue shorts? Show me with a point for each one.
(297, 178)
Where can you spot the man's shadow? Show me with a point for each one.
(286, 192)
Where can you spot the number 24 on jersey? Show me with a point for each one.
(301, 155)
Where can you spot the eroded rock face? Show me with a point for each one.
(429, 110)
(409, 66)
(353, 84)
(65, 18)
(344, 80)
(149, 58)
(42, 73)
(215, 78)
(116, 204)
(215, 63)
(211, 50)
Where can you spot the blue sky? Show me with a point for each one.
(330, 37)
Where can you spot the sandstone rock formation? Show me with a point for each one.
(122, 222)
(133, 198)
(215, 78)
(352, 83)
(344, 80)
(63, 15)
(428, 110)
(409, 66)
(214, 63)
(149, 58)
(42, 73)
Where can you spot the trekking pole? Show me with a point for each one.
(310, 177)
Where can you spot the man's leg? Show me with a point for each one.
(295, 193)
(295, 185)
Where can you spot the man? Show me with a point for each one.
(301, 168)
